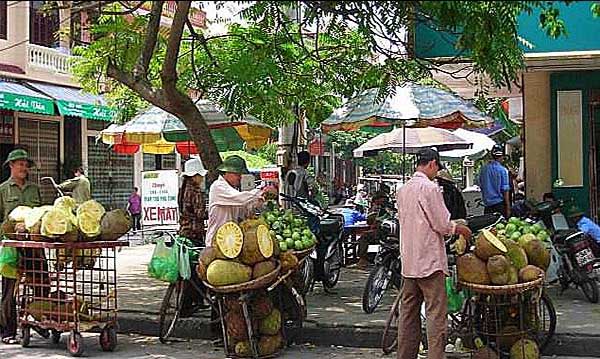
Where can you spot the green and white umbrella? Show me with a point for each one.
(158, 131)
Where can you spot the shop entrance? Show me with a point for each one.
(41, 138)
(594, 111)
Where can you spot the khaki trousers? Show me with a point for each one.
(432, 290)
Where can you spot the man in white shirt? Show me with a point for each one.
(225, 202)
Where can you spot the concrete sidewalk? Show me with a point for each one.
(337, 318)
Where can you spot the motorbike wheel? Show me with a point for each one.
(589, 288)
(377, 283)
(332, 268)
(306, 276)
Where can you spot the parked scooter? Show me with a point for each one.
(386, 272)
(578, 264)
(325, 263)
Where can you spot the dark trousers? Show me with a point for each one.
(8, 313)
(496, 208)
(137, 221)
(36, 276)
(364, 241)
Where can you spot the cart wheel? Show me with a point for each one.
(25, 336)
(56, 337)
(108, 339)
(75, 344)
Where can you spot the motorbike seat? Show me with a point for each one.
(561, 236)
(477, 223)
(332, 225)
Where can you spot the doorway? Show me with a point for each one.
(594, 111)
(41, 138)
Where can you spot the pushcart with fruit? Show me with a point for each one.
(65, 267)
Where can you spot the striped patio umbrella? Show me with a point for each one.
(159, 132)
(412, 105)
(411, 140)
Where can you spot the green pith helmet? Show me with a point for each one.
(19, 154)
(234, 164)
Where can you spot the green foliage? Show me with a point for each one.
(346, 142)
(595, 9)
(268, 152)
(252, 161)
(386, 162)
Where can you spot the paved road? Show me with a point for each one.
(135, 346)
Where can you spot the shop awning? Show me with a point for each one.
(14, 96)
(74, 102)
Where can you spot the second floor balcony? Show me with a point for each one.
(49, 59)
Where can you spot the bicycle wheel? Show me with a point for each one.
(170, 310)
(375, 287)
(389, 340)
(547, 317)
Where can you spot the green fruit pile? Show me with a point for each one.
(291, 232)
(515, 228)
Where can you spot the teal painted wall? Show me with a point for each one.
(583, 33)
(584, 81)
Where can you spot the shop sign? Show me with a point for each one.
(85, 110)
(159, 197)
(316, 148)
(26, 103)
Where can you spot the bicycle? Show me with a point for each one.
(172, 303)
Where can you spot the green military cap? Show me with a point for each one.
(19, 154)
(234, 164)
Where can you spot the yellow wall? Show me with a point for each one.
(537, 121)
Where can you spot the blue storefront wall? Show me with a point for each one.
(584, 81)
(582, 33)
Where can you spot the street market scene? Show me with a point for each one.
(306, 179)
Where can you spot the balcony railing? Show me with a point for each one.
(49, 59)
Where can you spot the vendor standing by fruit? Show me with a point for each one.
(225, 202)
(192, 213)
(424, 221)
(495, 184)
(79, 186)
(16, 191)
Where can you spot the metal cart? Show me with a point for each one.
(68, 287)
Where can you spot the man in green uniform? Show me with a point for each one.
(16, 191)
(79, 186)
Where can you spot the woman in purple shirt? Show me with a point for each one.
(134, 206)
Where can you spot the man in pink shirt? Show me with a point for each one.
(424, 221)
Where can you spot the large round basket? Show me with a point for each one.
(254, 284)
(503, 289)
(303, 253)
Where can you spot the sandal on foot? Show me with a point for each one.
(10, 341)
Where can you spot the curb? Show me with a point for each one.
(563, 344)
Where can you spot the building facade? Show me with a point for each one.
(560, 91)
(44, 110)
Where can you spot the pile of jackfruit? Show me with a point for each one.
(64, 221)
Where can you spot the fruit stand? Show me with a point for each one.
(243, 268)
(501, 276)
(66, 269)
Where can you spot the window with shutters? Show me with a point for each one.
(3, 21)
(43, 25)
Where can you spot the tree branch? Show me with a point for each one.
(141, 68)
(140, 85)
(169, 69)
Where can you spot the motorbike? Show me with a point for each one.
(387, 271)
(577, 263)
(324, 264)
